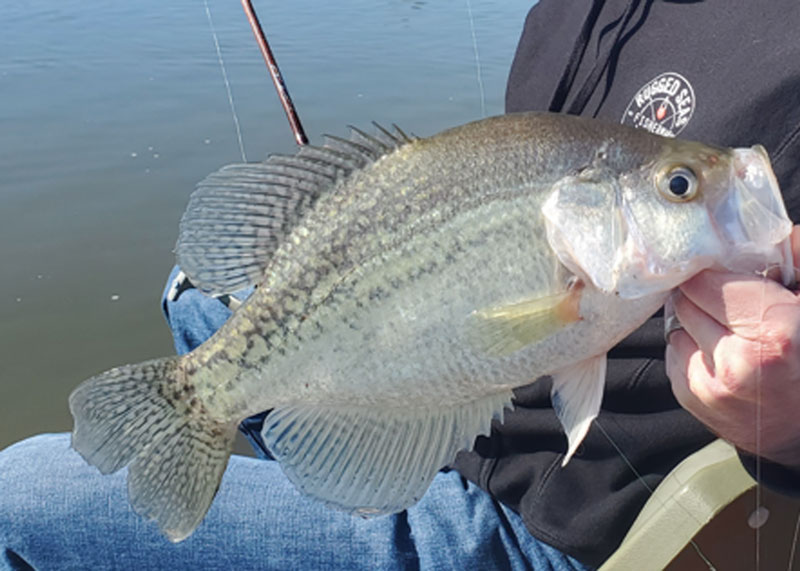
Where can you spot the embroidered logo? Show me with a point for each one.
(663, 106)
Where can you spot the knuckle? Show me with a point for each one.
(735, 376)
(780, 348)
(783, 342)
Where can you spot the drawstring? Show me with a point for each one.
(575, 58)
(602, 59)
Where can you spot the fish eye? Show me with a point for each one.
(678, 184)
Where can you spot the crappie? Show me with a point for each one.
(405, 287)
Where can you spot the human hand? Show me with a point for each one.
(735, 365)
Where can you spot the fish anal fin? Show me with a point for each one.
(372, 461)
(503, 329)
(576, 395)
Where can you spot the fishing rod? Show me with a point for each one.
(275, 74)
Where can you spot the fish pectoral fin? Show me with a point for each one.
(238, 216)
(576, 395)
(368, 460)
(504, 329)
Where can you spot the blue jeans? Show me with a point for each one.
(57, 512)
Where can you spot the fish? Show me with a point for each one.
(405, 286)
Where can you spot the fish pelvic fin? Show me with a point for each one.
(577, 394)
(141, 416)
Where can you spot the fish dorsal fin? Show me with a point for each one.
(371, 461)
(576, 395)
(238, 215)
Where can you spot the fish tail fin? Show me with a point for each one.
(144, 416)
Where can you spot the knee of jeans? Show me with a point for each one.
(41, 478)
(33, 473)
(20, 458)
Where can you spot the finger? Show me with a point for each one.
(683, 356)
(695, 386)
(735, 301)
(795, 241)
(706, 331)
(678, 358)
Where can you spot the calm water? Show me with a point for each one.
(111, 111)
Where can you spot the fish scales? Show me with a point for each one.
(368, 224)
(400, 302)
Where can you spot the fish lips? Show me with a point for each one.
(752, 220)
(750, 234)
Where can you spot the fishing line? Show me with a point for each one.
(225, 79)
(758, 417)
(477, 58)
(758, 420)
(636, 473)
(794, 542)
(623, 456)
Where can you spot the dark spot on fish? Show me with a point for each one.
(477, 242)
(377, 294)
(299, 293)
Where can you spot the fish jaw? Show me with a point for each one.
(630, 241)
(752, 220)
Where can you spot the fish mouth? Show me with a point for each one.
(752, 219)
(619, 243)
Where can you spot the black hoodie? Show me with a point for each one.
(718, 71)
